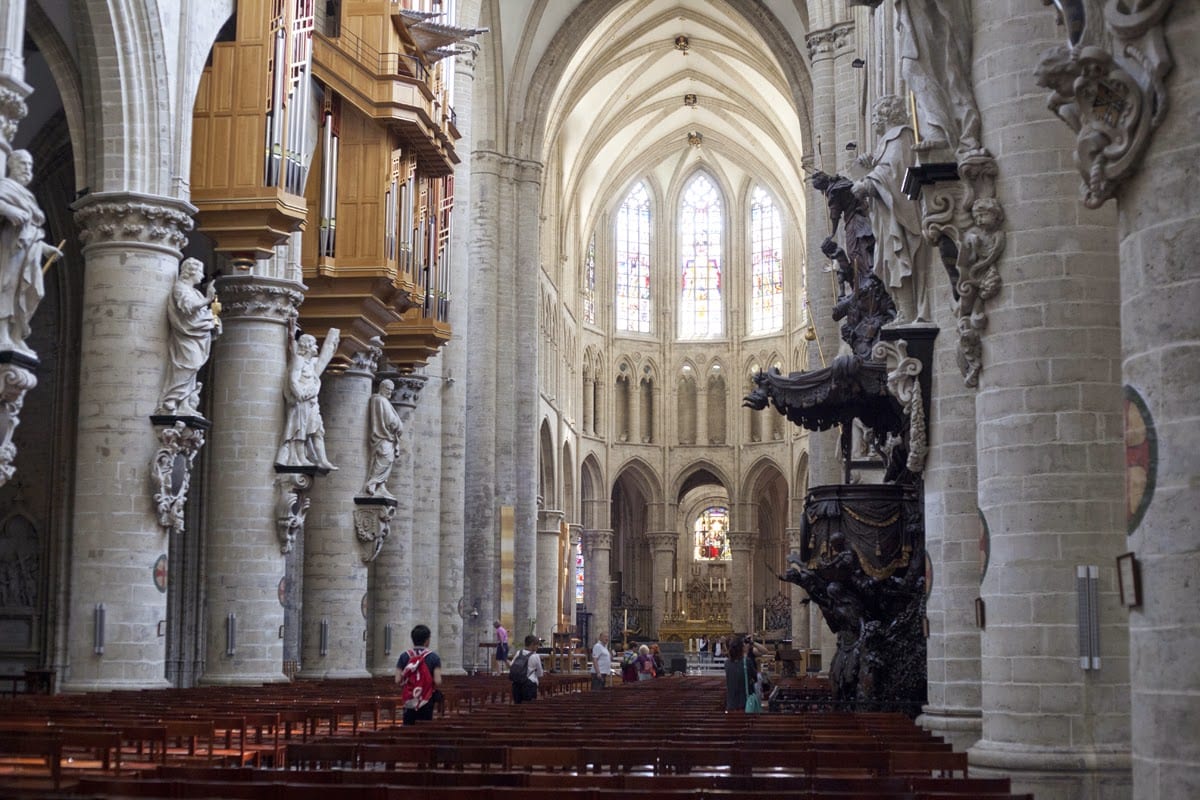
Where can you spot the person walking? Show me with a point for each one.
(419, 673)
(526, 671)
(601, 662)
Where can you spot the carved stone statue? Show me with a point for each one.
(935, 63)
(384, 430)
(22, 251)
(902, 256)
(304, 431)
(192, 328)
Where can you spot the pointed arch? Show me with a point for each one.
(547, 485)
(593, 493)
(700, 472)
(766, 263)
(568, 483)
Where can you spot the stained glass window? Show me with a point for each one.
(700, 229)
(766, 266)
(712, 535)
(589, 283)
(633, 261)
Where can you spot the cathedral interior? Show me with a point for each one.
(323, 320)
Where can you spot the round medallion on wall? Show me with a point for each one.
(928, 574)
(985, 545)
(160, 573)
(363, 605)
(284, 586)
(1141, 458)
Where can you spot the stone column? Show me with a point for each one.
(131, 249)
(245, 561)
(741, 545)
(568, 597)
(333, 641)
(1049, 450)
(427, 522)
(663, 545)
(824, 449)
(953, 537)
(547, 572)
(1160, 337)
(596, 568)
(800, 605)
(390, 575)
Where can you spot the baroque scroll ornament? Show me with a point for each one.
(1112, 95)
(172, 471)
(15, 382)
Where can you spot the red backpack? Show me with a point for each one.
(416, 680)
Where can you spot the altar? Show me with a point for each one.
(688, 630)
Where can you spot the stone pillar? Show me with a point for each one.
(575, 533)
(800, 605)
(741, 545)
(953, 537)
(663, 546)
(131, 249)
(390, 575)
(1160, 338)
(245, 561)
(1049, 450)
(427, 527)
(333, 643)
(596, 569)
(825, 466)
(547, 572)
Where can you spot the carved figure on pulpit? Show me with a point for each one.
(903, 257)
(22, 251)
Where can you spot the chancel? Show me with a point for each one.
(862, 329)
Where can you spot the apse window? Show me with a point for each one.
(633, 262)
(766, 264)
(712, 535)
(701, 226)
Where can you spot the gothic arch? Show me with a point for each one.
(699, 472)
(568, 483)
(547, 486)
(593, 493)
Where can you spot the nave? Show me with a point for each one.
(661, 738)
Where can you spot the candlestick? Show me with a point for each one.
(710, 583)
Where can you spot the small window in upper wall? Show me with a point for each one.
(633, 262)
(766, 265)
(589, 282)
(701, 227)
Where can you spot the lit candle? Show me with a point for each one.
(666, 584)
(912, 110)
(764, 625)
(710, 583)
(625, 625)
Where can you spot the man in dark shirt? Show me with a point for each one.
(419, 673)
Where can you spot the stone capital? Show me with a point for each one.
(663, 541)
(575, 532)
(742, 540)
(549, 521)
(407, 391)
(795, 537)
(365, 360)
(826, 43)
(121, 219)
(258, 298)
(598, 540)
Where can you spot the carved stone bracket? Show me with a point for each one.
(12, 110)
(964, 220)
(180, 440)
(126, 217)
(372, 524)
(291, 504)
(903, 382)
(1110, 91)
(16, 379)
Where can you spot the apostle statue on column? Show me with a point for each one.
(304, 430)
(193, 324)
(902, 256)
(384, 431)
(22, 251)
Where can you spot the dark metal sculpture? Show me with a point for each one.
(862, 553)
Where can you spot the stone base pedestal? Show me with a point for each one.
(960, 727)
(1053, 773)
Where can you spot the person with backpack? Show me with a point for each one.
(419, 673)
(525, 670)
